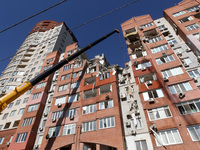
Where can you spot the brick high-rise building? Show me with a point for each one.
(166, 72)
(77, 107)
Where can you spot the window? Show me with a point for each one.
(73, 98)
(76, 74)
(64, 77)
(71, 112)
(49, 60)
(194, 73)
(181, 87)
(168, 137)
(33, 69)
(21, 137)
(54, 131)
(154, 39)
(75, 85)
(69, 129)
(159, 49)
(89, 126)
(18, 102)
(40, 140)
(60, 100)
(192, 27)
(47, 67)
(157, 93)
(32, 108)
(16, 123)
(10, 105)
(21, 111)
(172, 72)
(40, 85)
(62, 87)
(137, 123)
(36, 95)
(189, 107)
(165, 59)
(141, 145)
(159, 113)
(25, 100)
(191, 9)
(67, 67)
(106, 104)
(27, 121)
(187, 60)
(57, 114)
(1, 140)
(188, 18)
(89, 109)
(146, 78)
(147, 25)
(5, 116)
(12, 113)
(104, 75)
(140, 66)
(194, 132)
(7, 125)
(106, 122)
(172, 41)
(78, 64)
(178, 13)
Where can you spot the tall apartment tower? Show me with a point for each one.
(184, 18)
(46, 37)
(77, 107)
(165, 70)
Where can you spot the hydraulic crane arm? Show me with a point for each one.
(22, 88)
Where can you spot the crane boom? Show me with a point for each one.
(22, 88)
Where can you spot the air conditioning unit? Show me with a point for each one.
(186, 64)
(151, 100)
(45, 114)
(8, 143)
(149, 83)
(135, 63)
(128, 124)
(36, 146)
(71, 117)
(47, 62)
(40, 128)
(141, 28)
(53, 119)
(188, 50)
(59, 104)
(198, 58)
(164, 54)
(137, 112)
(165, 79)
(143, 68)
(49, 101)
(179, 53)
(133, 132)
(3, 91)
(181, 95)
(47, 136)
(2, 83)
(195, 79)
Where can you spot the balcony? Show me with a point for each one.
(89, 93)
(89, 81)
(132, 35)
(105, 89)
(150, 33)
(147, 78)
(139, 53)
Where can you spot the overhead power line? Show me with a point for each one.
(104, 14)
(71, 28)
(32, 16)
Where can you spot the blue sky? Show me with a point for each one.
(73, 13)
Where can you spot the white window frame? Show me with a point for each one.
(186, 85)
(146, 95)
(106, 104)
(107, 122)
(69, 129)
(60, 100)
(89, 126)
(89, 109)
